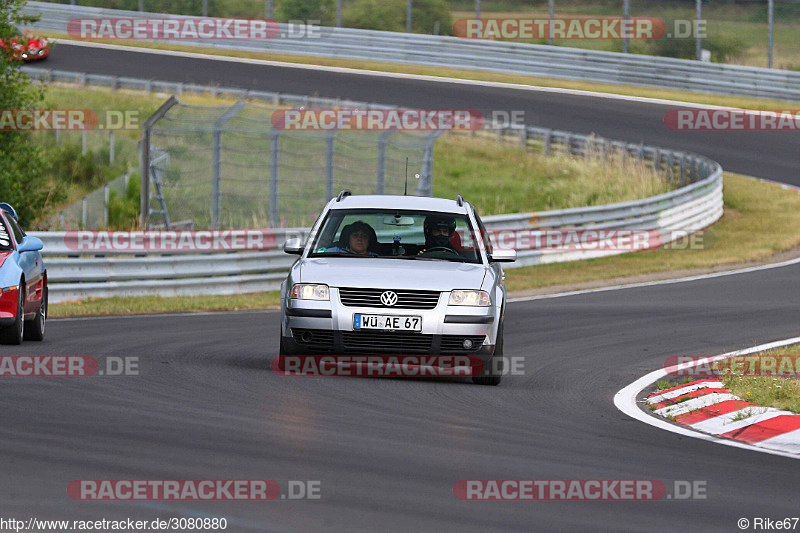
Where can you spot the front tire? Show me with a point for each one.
(14, 333)
(493, 371)
(35, 329)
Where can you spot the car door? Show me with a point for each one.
(31, 265)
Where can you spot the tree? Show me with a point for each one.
(390, 15)
(322, 10)
(22, 168)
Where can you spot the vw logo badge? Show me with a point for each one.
(389, 298)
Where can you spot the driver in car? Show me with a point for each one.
(439, 230)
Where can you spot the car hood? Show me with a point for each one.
(391, 273)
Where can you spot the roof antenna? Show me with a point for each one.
(405, 193)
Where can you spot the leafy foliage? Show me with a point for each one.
(390, 15)
(22, 177)
(322, 10)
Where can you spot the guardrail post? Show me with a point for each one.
(274, 147)
(329, 140)
(111, 147)
(657, 160)
(106, 198)
(670, 165)
(548, 138)
(84, 214)
(523, 137)
(569, 144)
(83, 142)
(383, 140)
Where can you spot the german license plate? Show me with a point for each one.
(387, 322)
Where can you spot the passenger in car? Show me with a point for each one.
(357, 238)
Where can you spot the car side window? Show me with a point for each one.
(484, 234)
(18, 233)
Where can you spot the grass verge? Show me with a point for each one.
(760, 221)
(159, 304)
(769, 391)
(440, 72)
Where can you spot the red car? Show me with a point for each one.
(26, 46)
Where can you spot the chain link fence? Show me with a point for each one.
(230, 167)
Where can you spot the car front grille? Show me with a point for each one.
(398, 342)
(354, 297)
(394, 342)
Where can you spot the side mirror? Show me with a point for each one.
(30, 244)
(293, 246)
(503, 256)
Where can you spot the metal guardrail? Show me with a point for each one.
(697, 204)
(491, 56)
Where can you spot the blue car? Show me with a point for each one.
(23, 282)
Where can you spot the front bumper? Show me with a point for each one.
(327, 327)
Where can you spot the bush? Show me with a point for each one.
(725, 48)
(390, 15)
(123, 212)
(722, 47)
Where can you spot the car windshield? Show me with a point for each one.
(396, 234)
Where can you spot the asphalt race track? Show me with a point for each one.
(388, 451)
(773, 155)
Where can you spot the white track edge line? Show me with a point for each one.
(658, 282)
(625, 401)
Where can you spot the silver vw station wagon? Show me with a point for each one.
(400, 275)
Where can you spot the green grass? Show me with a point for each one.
(158, 304)
(768, 391)
(664, 385)
(502, 178)
(760, 220)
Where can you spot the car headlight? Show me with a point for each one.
(478, 298)
(309, 291)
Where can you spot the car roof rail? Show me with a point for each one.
(460, 201)
(344, 194)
